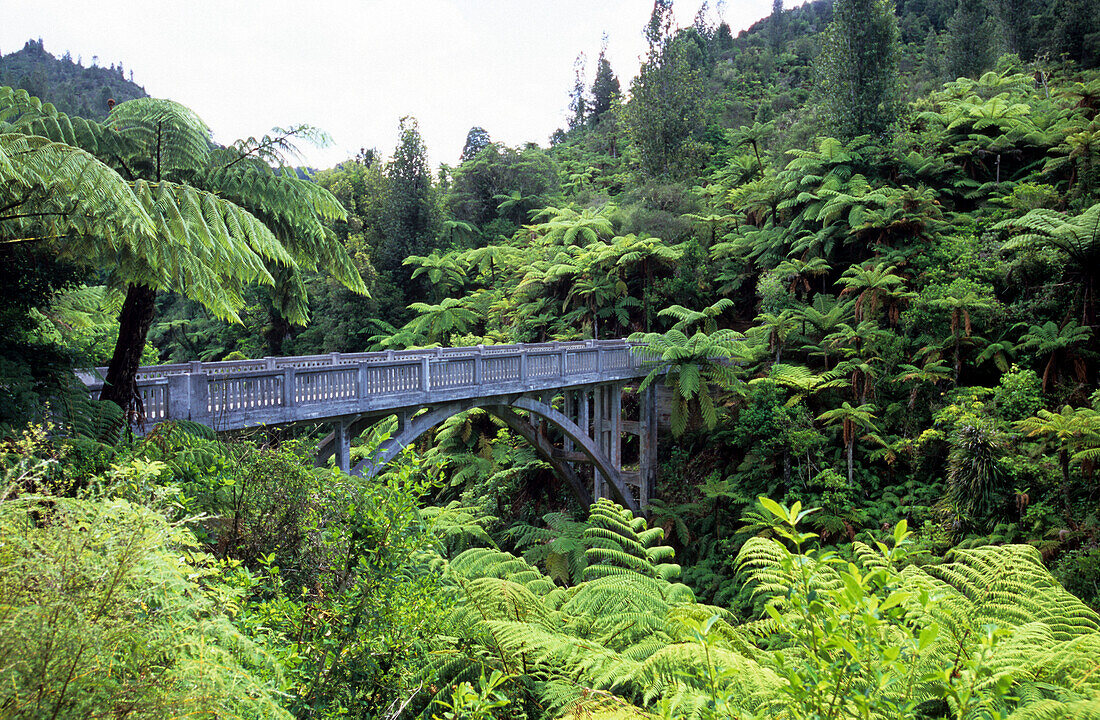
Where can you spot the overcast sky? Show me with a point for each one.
(354, 68)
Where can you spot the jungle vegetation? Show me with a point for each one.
(860, 242)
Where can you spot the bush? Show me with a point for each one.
(103, 617)
(1019, 394)
(1079, 572)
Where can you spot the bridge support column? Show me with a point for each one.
(598, 482)
(583, 416)
(647, 443)
(341, 439)
(607, 431)
(616, 435)
(569, 407)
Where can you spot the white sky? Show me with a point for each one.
(353, 68)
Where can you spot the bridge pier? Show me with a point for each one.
(598, 411)
(647, 443)
(341, 439)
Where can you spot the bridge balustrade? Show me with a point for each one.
(236, 394)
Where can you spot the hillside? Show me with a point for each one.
(71, 87)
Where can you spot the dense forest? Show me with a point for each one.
(859, 242)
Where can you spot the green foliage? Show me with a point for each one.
(859, 68)
(526, 179)
(875, 640)
(690, 366)
(971, 35)
(884, 281)
(344, 610)
(466, 702)
(619, 542)
(107, 612)
(410, 215)
(975, 477)
(666, 111)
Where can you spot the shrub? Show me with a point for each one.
(103, 617)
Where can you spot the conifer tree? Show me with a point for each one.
(667, 98)
(658, 30)
(578, 102)
(777, 25)
(1017, 19)
(476, 141)
(605, 87)
(970, 41)
(858, 68)
(409, 216)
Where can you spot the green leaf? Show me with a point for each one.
(774, 508)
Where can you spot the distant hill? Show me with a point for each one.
(71, 87)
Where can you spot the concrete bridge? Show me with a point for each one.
(564, 398)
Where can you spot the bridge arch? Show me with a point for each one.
(505, 409)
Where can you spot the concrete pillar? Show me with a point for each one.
(362, 377)
(616, 431)
(341, 439)
(606, 431)
(569, 408)
(583, 417)
(290, 382)
(598, 416)
(179, 397)
(647, 443)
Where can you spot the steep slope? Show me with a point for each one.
(71, 87)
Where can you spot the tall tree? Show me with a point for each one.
(852, 420)
(221, 218)
(410, 215)
(858, 68)
(578, 99)
(667, 103)
(777, 26)
(1017, 19)
(476, 141)
(605, 87)
(478, 184)
(658, 31)
(971, 48)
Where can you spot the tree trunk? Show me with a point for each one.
(851, 447)
(134, 321)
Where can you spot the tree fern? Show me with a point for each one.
(213, 220)
(559, 548)
(51, 190)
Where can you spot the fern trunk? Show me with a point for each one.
(134, 321)
(276, 332)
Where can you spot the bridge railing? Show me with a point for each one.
(271, 390)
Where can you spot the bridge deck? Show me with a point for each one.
(237, 394)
